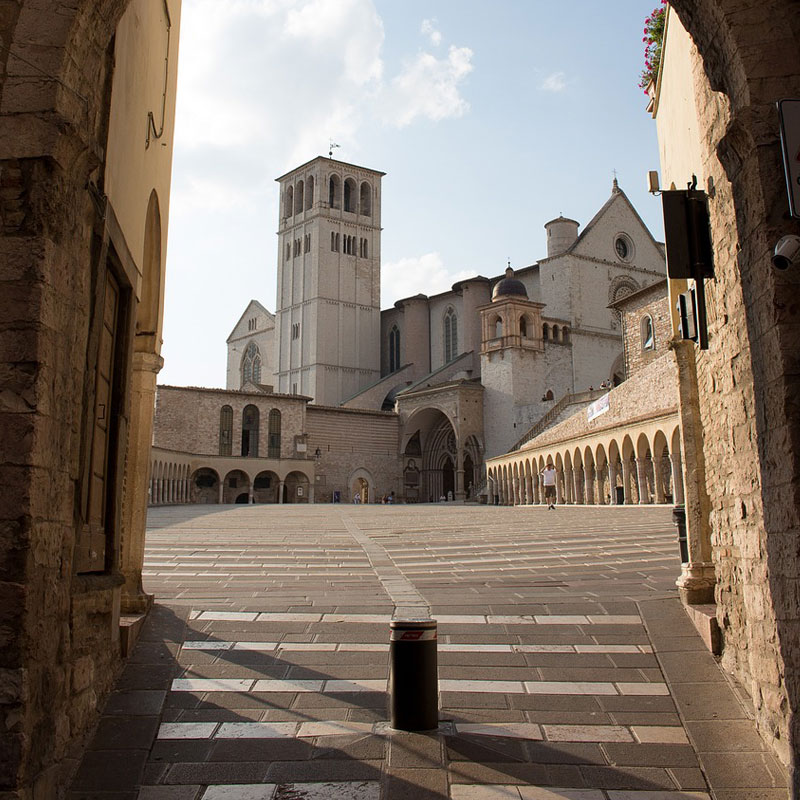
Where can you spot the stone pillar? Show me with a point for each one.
(221, 490)
(612, 483)
(588, 485)
(641, 479)
(537, 491)
(280, 492)
(658, 480)
(561, 485)
(577, 480)
(459, 493)
(601, 481)
(626, 481)
(698, 578)
(146, 367)
(677, 478)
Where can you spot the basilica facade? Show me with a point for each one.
(467, 372)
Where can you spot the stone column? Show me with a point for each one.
(459, 493)
(146, 367)
(588, 485)
(537, 489)
(677, 478)
(577, 480)
(561, 487)
(601, 481)
(280, 492)
(641, 478)
(658, 480)
(612, 483)
(221, 490)
(626, 481)
(698, 577)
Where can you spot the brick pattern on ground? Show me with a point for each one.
(567, 668)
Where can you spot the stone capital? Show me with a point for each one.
(147, 362)
(696, 583)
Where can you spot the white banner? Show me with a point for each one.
(600, 406)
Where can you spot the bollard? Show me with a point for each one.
(679, 518)
(413, 675)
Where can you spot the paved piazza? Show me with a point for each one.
(567, 667)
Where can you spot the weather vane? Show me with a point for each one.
(332, 148)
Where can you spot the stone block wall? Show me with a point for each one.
(354, 443)
(188, 419)
(654, 303)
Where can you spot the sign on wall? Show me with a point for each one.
(789, 113)
(600, 406)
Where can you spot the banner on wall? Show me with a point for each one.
(600, 406)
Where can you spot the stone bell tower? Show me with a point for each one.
(513, 363)
(329, 287)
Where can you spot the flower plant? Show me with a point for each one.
(653, 41)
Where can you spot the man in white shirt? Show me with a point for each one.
(549, 480)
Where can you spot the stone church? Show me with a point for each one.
(467, 371)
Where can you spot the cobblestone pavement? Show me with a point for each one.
(567, 667)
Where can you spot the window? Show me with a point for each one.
(298, 197)
(450, 335)
(545, 332)
(498, 328)
(288, 251)
(307, 243)
(394, 349)
(295, 330)
(648, 333)
(523, 327)
(250, 431)
(288, 209)
(252, 324)
(251, 365)
(565, 334)
(623, 247)
(274, 438)
(335, 192)
(555, 333)
(366, 199)
(262, 481)
(309, 193)
(350, 195)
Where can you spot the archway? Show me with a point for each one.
(235, 484)
(296, 485)
(265, 487)
(204, 486)
(429, 432)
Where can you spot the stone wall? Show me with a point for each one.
(654, 303)
(188, 419)
(747, 58)
(354, 443)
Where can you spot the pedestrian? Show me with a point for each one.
(549, 480)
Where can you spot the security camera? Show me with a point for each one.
(787, 252)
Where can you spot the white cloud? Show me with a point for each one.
(424, 274)
(554, 82)
(429, 29)
(428, 87)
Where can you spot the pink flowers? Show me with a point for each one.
(653, 40)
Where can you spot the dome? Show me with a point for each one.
(509, 287)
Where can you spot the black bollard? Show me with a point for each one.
(679, 518)
(413, 675)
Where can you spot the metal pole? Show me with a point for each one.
(413, 675)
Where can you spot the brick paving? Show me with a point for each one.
(567, 667)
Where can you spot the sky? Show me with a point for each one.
(489, 118)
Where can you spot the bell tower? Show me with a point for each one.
(329, 288)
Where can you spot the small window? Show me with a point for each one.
(394, 349)
(623, 247)
(450, 335)
(289, 206)
(309, 193)
(648, 333)
(498, 328)
(523, 328)
(335, 192)
(274, 438)
(225, 430)
(545, 332)
(366, 199)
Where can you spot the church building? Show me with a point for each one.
(463, 375)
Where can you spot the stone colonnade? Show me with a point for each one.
(622, 467)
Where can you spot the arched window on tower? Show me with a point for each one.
(251, 361)
(394, 349)
(309, 192)
(498, 328)
(250, 431)
(289, 207)
(225, 430)
(450, 335)
(545, 332)
(366, 199)
(523, 327)
(350, 195)
(555, 333)
(298, 197)
(335, 192)
(274, 438)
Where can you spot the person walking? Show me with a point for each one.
(549, 480)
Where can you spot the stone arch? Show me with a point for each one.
(204, 486)
(309, 193)
(235, 484)
(362, 483)
(365, 200)
(288, 209)
(265, 487)
(299, 197)
(296, 487)
(335, 192)
(350, 195)
(149, 309)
